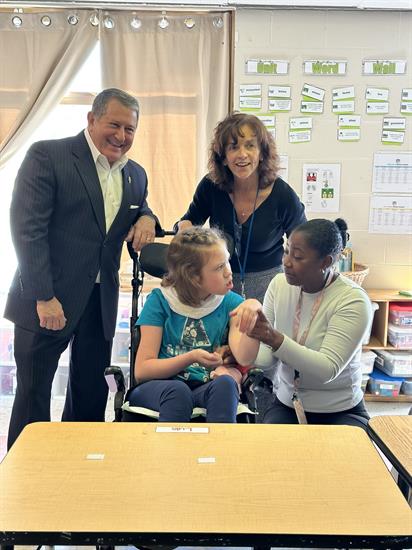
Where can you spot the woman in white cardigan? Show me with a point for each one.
(313, 321)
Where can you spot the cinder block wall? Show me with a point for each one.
(298, 35)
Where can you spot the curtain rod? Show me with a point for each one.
(99, 5)
(216, 5)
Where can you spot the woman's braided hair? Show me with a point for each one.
(187, 254)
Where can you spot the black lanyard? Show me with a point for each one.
(237, 233)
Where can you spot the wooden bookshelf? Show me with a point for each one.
(379, 333)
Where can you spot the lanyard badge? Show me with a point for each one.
(297, 403)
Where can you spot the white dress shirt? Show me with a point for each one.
(111, 182)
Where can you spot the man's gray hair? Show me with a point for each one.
(100, 102)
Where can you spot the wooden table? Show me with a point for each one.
(393, 435)
(238, 485)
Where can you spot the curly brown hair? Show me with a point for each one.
(187, 254)
(228, 131)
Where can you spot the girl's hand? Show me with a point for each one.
(225, 352)
(206, 358)
(246, 315)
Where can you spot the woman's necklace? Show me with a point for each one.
(244, 208)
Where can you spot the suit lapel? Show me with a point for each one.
(83, 161)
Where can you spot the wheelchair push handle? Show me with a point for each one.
(160, 233)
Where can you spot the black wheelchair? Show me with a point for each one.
(152, 261)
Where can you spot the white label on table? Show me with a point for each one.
(95, 456)
(206, 460)
(181, 430)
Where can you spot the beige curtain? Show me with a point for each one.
(37, 64)
(181, 78)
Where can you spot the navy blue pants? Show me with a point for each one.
(175, 400)
(278, 413)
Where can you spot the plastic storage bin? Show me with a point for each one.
(384, 385)
(120, 349)
(365, 378)
(401, 314)
(367, 360)
(406, 387)
(400, 337)
(394, 363)
(367, 336)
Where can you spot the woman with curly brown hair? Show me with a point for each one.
(244, 196)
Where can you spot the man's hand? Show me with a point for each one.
(142, 233)
(183, 224)
(51, 314)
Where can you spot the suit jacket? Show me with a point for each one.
(59, 233)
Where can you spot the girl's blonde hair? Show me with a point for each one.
(186, 256)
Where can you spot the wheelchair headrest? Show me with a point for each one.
(153, 259)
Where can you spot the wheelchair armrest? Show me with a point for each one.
(115, 373)
(116, 382)
(250, 387)
(253, 378)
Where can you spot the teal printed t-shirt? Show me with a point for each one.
(182, 334)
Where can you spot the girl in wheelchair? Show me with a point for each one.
(184, 323)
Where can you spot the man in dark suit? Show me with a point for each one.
(74, 202)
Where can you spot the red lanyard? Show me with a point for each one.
(300, 412)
